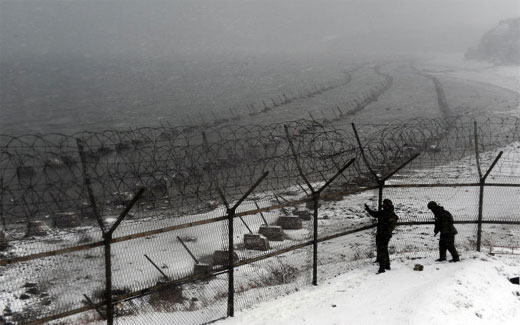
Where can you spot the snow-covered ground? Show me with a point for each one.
(66, 278)
(454, 65)
(506, 76)
(474, 291)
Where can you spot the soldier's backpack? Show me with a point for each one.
(393, 220)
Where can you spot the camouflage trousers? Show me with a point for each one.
(447, 243)
(383, 257)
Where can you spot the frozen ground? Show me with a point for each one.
(475, 291)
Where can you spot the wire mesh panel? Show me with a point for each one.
(272, 277)
(500, 238)
(53, 285)
(501, 210)
(158, 259)
(506, 171)
(339, 255)
(410, 206)
(197, 302)
(270, 273)
(177, 233)
(411, 203)
(91, 317)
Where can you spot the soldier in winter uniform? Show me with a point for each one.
(444, 225)
(386, 221)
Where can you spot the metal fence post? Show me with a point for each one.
(107, 234)
(315, 201)
(107, 238)
(231, 213)
(482, 184)
(481, 200)
(480, 208)
(4, 222)
(231, 251)
(378, 178)
(381, 186)
(481, 187)
(374, 174)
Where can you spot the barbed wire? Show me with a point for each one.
(183, 172)
(181, 167)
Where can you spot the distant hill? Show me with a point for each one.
(500, 45)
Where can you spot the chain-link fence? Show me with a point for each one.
(185, 225)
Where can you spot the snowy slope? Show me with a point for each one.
(504, 76)
(475, 291)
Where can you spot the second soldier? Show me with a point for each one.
(444, 225)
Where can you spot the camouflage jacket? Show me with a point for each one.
(386, 221)
(443, 222)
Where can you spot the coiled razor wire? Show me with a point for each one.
(182, 167)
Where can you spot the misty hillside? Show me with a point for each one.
(500, 45)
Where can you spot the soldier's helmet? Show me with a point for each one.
(432, 205)
(387, 202)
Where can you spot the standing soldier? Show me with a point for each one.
(386, 221)
(444, 225)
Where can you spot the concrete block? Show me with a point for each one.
(290, 222)
(86, 212)
(304, 214)
(332, 196)
(37, 228)
(274, 233)
(202, 268)
(67, 219)
(221, 257)
(171, 293)
(256, 242)
(3, 241)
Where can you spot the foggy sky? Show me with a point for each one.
(164, 28)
